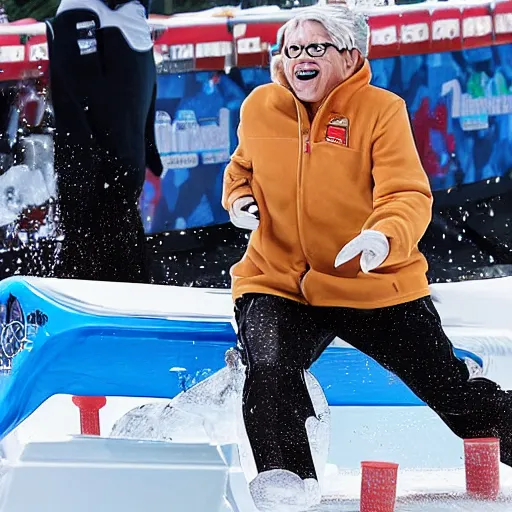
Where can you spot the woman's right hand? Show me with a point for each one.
(244, 213)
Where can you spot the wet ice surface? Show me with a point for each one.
(426, 491)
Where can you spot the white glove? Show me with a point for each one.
(373, 247)
(244, 213)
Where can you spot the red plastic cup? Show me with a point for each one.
(378, 486)
(482, 458)
(90, 413)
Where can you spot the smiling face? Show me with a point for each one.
(313, 78)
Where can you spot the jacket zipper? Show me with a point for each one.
(307, 143)
(304, 134)
(305, 140)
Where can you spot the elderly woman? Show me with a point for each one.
(327, 176)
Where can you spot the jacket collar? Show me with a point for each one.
(360, 78)
(345, 90)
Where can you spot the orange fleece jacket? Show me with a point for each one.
(315, 196)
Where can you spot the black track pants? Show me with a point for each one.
(281, 338)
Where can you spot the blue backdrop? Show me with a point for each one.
(460, 105)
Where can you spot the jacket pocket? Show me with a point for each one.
(350, 269)
(245, 268)
(342, 168)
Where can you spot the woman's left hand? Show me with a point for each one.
(373, 247)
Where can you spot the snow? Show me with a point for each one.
(22, 187)
(125, 299)
(474, 304)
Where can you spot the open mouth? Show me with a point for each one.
(306, 74)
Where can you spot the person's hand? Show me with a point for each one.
(373, 247)
(244, 213)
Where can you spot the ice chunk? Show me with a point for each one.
(278, 490)
(211, 411)
(204, 413)
(313, 492)
(162, 422)
(217, 400)
(319, 428)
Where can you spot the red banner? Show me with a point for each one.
(477, 26)
(415, 32)
(503, 23)
(384, 36)
(446, 30)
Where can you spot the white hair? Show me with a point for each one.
(346, 28)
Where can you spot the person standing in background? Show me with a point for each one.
(103, 86)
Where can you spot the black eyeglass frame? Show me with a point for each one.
(308, 47)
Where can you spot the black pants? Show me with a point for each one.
(103, 97)
(281, 338)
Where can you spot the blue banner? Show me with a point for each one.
(460, 105)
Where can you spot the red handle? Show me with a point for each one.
(89, 407)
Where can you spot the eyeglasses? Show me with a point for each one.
(294, 51)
